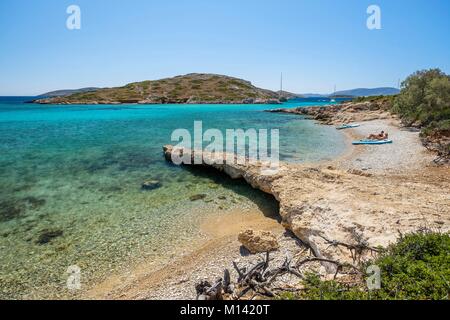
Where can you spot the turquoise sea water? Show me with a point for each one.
(70, 185)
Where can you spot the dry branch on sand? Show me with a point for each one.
(259, 280)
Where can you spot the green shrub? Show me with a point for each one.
(424, 98)
(387, 99)
(416, 267)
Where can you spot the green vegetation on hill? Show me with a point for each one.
(383, 99)
(191, 88)
(416, 267)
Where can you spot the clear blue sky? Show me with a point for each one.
(315, 43)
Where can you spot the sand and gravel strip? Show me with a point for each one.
(177, 279)
(404, 154)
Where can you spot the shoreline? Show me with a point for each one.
(147, 281)
(208, 258)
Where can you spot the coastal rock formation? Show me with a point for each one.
(438, 142)
(342, 113)
(326, 207)
(258, 241)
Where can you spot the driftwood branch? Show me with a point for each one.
(339, 265)
(356, 250)
(238, 270)
(259, 279)
(360, 246)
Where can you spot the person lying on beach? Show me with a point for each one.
(380, 136)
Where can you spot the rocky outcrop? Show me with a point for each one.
(258, 241)
(342, 113)
(324, 206)
(438, 141)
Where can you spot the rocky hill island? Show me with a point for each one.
(195, 88)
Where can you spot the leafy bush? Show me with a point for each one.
(424, 99)
(416, 267)
(383, 99)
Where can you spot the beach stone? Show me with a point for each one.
(258, 241)
(196, 197)
(151, 185)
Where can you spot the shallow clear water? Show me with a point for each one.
(74, 173)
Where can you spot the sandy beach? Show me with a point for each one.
(405, 154)
(382, 190)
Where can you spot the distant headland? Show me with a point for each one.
(194, 88)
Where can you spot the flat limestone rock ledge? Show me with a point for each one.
(323, 205)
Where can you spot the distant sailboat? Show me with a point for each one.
(281, 96)
(281, 85)
(334, 93)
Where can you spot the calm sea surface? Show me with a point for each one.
(70, 185)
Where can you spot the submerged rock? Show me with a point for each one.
(15, 208)
(34, 202)
(258, 241)
(151, 185)
(10, 210)
(48, 235)
(196, 197)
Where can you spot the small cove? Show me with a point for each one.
(71, 176)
